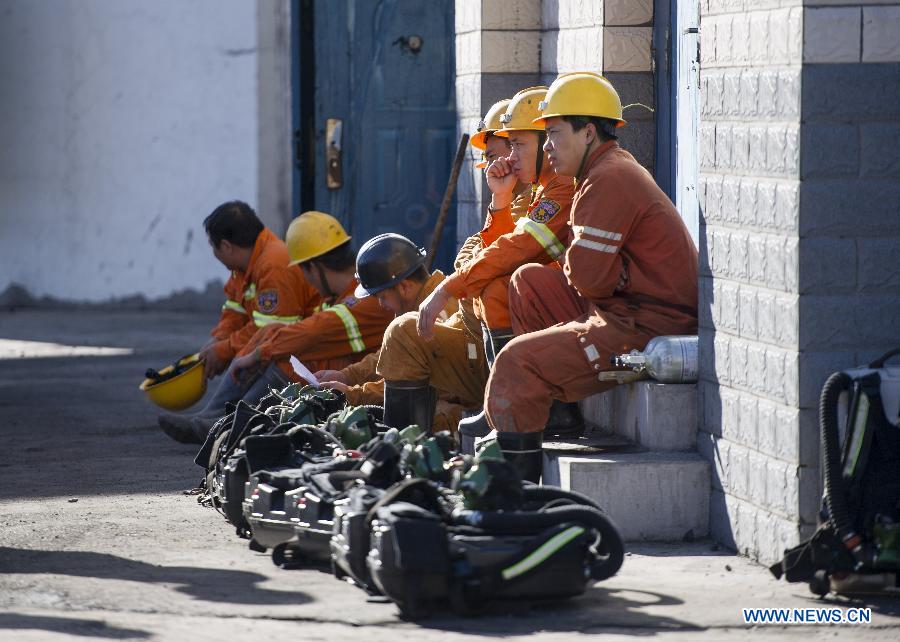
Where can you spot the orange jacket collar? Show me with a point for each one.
(597, 153)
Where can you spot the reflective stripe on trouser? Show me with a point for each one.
(543, 235)
(234, 306)
(350, 325)
(444, 362)
(261, 320)
(554, 362)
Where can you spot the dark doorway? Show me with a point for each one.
(374, 115)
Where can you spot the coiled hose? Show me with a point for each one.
(611, 549)
(835, 494)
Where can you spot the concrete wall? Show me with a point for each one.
(123, 125)
(502, 47)
(799, 214)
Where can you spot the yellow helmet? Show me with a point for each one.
(522, 110)
(313, 234)
(180, 391)
(581, 94)
(489, 124)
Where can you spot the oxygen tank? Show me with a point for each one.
(670, 359)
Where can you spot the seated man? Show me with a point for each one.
(262, 289)
(391, 269)
(539, 236)
(630, 274)
(345, 329)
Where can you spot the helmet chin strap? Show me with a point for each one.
(323, 281)
(538, 163)
(584, 157)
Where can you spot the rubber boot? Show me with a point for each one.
(272, 377)
(524, 451)
(409, 402)
(498, 339)
(471, 429)
(565, 420)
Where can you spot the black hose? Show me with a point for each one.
(611, 550)
(835, 494)
(545, 494)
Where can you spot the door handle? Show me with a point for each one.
(333, 174)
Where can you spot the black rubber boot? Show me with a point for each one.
(498, 340)
(409, 402)
(524, 451)
(471, 429)
(565, 420)
(179, 428)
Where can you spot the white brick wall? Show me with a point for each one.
(832, 35)
(881, 34)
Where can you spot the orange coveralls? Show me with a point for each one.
(270, 291)
(453, 363)
(540, 236)
(630, 274)
(332, 338)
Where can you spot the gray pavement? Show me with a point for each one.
(98, 540)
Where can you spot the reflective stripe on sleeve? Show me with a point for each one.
(234, 306)
(543, 235)
(260, 320)
(593, 245)
(350, 325)
(587, 230)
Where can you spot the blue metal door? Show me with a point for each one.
(382, 116)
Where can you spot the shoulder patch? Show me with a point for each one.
(350, 301)
(267, 301)
(544, 211)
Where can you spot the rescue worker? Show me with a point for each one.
(492, 148)
(630, 273)
(344, 330)
(262, 289)
(391, 269)
(540, 236)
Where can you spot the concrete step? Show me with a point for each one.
(650, 495)
(657, 416)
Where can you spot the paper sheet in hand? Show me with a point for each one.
(303, 372)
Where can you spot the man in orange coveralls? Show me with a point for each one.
(344, 330)
(262, 289)
(391, 269)
(630, 274)
(540, 236)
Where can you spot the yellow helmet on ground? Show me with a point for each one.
(522, 110)
(488, 125)
(177, 386)
(581, 94)
(313, 234)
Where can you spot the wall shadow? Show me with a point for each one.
(208, 584)
(68, 626)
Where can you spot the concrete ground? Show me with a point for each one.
(99, 541)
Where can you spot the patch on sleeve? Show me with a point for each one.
(350, 301)
(544, 211)
(267, 301)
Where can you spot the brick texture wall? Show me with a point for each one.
(505, 46)
(797, 179)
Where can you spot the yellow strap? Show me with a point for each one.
(543, 235)
(250, 292)
(234, 306)
(350, 325)
(261, 320)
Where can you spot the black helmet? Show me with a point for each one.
(384, 261)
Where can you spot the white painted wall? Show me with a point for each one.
(122, 124)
